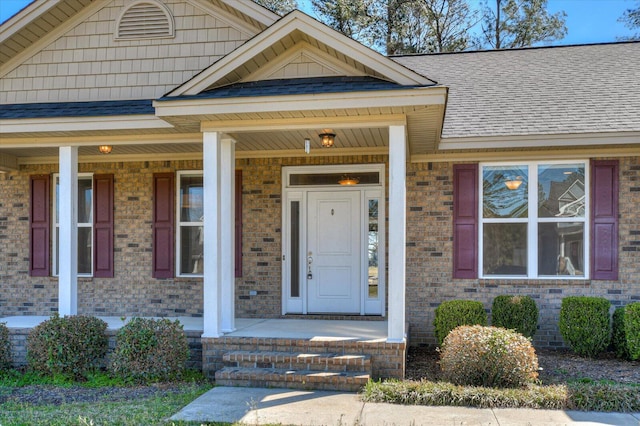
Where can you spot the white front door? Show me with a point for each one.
(334, 252)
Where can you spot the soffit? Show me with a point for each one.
(34, 23)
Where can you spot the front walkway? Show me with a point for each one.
(293, 407)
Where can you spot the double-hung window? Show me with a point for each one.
(534, 220)
(85, 224)
(190, 223)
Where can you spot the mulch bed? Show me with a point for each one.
(558, 366)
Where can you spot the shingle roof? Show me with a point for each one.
(77, 109)
(295, 86)
(557, 90)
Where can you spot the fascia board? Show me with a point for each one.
(115, 140)
(392, 98)
(24, 17)
(540, 140)
(71, 124)
(223, 15)
(254, 10)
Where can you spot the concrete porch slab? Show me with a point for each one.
(254, 327)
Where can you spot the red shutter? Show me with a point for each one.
(604, 220)
(238, 236)
(39, 226)
(465, 221)
(163, 225)
(103, 226)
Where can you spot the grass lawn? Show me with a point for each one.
(152, 408)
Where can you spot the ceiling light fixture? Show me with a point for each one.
(327, 139)
(105, 149)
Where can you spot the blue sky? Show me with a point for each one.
(588, 21)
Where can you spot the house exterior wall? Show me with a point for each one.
(430, 246)
(429, 249)
(88, 64)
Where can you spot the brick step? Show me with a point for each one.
(298, 361)
(346, 381)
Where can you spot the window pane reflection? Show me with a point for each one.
(85, 201)
(561, 190)
(373, 240)
(191, 199)
(191, 250)
(561, 248)
(505, 191)
(84, 250)
(505, 249)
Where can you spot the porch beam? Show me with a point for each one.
(68, 232)
(274, 124)
(397, 232)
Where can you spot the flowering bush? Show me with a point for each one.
(488, 356)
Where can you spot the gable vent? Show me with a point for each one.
(145, 19)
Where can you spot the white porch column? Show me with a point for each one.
(397, 233)
(219, 162)
(227, 233)
(68, 232)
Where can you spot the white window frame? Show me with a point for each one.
(180, 224)
(55, 223)
(533, 220)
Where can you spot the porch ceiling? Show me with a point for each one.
(280, 133)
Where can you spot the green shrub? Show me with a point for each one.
(632, 329)
(584, 324)
(5, 348)
(454, 313)
(618, 335)
(148, 349)
(488, 356)
(73, 345)
(518, 313)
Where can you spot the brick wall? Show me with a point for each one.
(429, 247)
(429, 250)
(132, 291)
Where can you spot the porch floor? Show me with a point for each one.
(326, 330)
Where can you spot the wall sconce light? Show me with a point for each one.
(349, 181)
(327, 139)
(513, 184)
(307, 145)
(105, 149)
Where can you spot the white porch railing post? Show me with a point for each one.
(68, 232)
(211, 197)
(397, 233)
(227, 234)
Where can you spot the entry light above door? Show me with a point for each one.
(105, 149)
(349, 181)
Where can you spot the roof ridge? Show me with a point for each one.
(515, 49)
